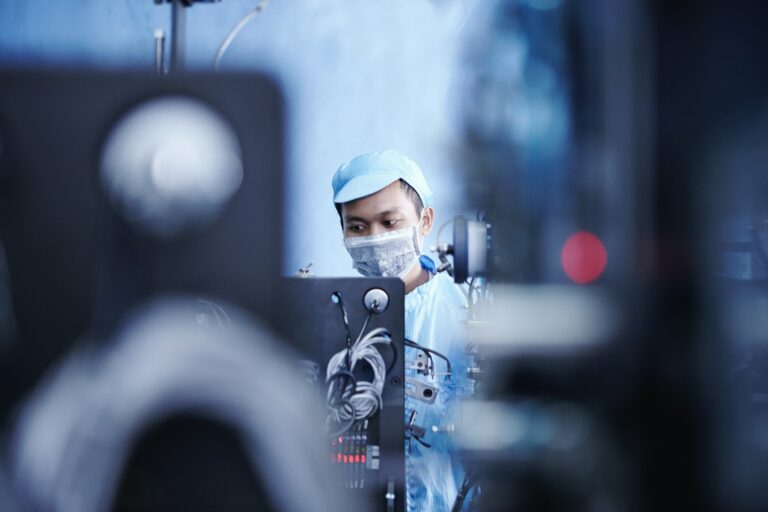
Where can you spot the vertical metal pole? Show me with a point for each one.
(178, 35)
(159, 52)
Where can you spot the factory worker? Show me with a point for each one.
(385, 206)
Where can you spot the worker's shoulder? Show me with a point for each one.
(448, 290)
(442, 292)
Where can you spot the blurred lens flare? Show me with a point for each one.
(584, 257)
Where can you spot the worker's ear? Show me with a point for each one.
(427, 220)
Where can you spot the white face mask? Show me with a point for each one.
(390, 254)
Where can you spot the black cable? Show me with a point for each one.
(410, 434)
(345, 318)
(429, 353)
(430, 364)
(413, 344)
(466, 486)
(348, 377)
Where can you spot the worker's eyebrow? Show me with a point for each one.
(391, 211)
(395, 210)
(355, 219)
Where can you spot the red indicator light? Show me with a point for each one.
(338, 458)
(357, 458)
(362, 459)
(346, 459)
(583, 257)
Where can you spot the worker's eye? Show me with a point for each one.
(356, 228)
(391, 222)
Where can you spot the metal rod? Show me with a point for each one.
(178, 35)
(159, 52)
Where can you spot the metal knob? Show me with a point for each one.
(376, 300)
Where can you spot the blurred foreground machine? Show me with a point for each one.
(614, 147)
(116, 188)
(134, 376)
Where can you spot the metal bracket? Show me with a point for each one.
(420, 391)
(421, 365)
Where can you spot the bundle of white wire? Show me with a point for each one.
(364, 396)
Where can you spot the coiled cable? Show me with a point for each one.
(364, 397)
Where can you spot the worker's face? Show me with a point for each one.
(388, 209)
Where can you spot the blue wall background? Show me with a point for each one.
(359, 75)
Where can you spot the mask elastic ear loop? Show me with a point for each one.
(419, 237)
(405, 272)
